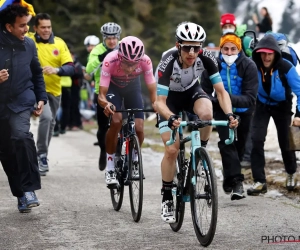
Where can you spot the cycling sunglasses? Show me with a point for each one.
(129, 64)
(188, 48)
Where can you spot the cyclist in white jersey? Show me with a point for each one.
(178, 90)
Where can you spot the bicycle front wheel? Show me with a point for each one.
(179, 204)
(204, 197)
(117, 192)
(135, 177)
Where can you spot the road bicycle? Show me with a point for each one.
(195, 181)
(128, 165)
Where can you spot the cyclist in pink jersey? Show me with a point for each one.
(120, 82)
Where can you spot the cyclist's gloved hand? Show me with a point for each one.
(233, 120)
(173, 121)
(109, 109)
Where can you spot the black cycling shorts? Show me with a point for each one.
(182, 101)
(130, 94)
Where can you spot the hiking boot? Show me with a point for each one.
(111, 178)
(227, 188)
(290, 182)
(237, 191)
(102, 160)
(31, 199)
(257, 188)
(22, 205)
(245, 164)
(167, 211)
(55, 133)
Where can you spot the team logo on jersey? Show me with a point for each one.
(106, 64)
(110, 96)
(148, 72)
(163, 64)
(207, 53)
(138, 70)
(105, 73)
(55, 52)
(115, 60)
(160, 74)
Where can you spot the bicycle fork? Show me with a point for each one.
(191, 179)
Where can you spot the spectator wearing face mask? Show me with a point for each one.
(240, 81)
(228, 23)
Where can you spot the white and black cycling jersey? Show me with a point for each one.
(171, 76)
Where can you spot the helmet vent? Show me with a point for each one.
(183, 35)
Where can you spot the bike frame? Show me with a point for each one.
(194, 137)
(130, 128)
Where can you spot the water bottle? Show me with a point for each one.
(174, 191)
(123, 150)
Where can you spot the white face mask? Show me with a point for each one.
(228, 30)
(230, 59)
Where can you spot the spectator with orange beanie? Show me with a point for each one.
(237, 73)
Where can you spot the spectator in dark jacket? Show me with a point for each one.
(239, 81)
(266, 23)
(277, 78)
(21, 88)
(75, 117)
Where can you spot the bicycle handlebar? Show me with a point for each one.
(134, 110)
(201, 124)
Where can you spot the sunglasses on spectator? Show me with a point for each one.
(188, 48)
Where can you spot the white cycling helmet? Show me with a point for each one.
(111, 29)
(91, 40)
(190, 32)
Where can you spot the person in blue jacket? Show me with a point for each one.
(277, 79)
(22, 92)
(240, 81)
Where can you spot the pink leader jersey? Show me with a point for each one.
(112, 72)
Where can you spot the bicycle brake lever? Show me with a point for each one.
(110, 116)
(174, 132)
(235, 135)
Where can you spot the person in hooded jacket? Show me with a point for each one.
(236, 71)
(277, 78)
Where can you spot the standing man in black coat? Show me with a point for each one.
(22, 92)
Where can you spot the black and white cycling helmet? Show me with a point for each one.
(91, 40)
(111, 29)
(190, 32)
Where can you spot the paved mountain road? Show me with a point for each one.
(76, 210)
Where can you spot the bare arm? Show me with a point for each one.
(102, 101)
(223, 97)
(152, 93)
(162, 107)
(164, 111)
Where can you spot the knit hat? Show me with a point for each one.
(228, 18)
(231, 38)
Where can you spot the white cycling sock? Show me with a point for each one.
(110, 159)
